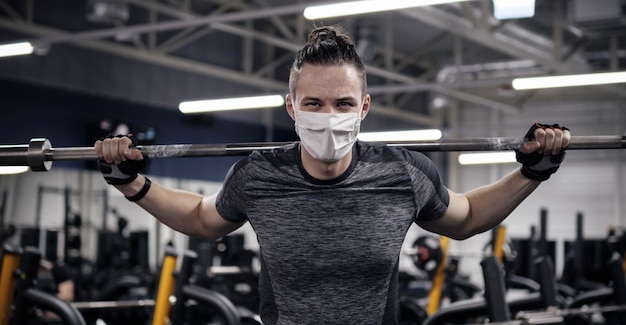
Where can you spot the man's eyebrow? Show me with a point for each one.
(346, 98)
(340, 99)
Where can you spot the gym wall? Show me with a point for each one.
(71, 119)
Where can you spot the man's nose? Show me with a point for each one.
(332, 109)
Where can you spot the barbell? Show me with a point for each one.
(39, 154)
(93, 305)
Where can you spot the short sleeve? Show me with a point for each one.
(230, 201)
(431, 195)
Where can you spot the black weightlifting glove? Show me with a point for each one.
(124, 172)
(538, 166)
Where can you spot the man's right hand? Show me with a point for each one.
(120, 162)
(549, 143)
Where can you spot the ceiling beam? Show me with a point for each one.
(497, 40)
(198, 68)
(175, 24)
(186, 65)
(231, 17)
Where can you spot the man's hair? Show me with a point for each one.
(327, 45)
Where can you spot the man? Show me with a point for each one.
(54, 278)
(330, 212)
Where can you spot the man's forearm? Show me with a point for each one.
(177, 209)
(133, 187)
(491, 204)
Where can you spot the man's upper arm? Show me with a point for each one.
(224, 211)
(215, 226)
(453, 223)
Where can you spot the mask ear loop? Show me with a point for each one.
(295, 115)
(357, 125)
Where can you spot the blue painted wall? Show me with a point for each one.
(71, 119)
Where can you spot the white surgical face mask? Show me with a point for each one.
(327, 136)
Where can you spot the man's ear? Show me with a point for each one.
(367, 100)
(289, 106)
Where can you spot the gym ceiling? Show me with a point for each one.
(162, 52)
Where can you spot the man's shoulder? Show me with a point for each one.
(261, 161)
(282, 152)
(377, 151)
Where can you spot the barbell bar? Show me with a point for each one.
(119, 304)
(91, 305)
(39, 154)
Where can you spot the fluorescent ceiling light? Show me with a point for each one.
(511, 9)
(228, 104)
(22, 48)
(409, 135)
(366, 6)
(569, 80)
(9, 170)
(487, 158)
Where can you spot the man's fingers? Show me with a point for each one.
(126, 152)
(106, 151)
(530, 147)
(115, 150)
(558, 142)
(98, 148)
(110, 150)
(133, 154)
(549, 141)
(548, 145)
(566, 139)
(540, 138)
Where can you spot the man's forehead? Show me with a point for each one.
(343, 70)
(342, 79)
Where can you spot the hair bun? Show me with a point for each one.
(322, 33)
(327, 45)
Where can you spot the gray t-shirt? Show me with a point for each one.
(330, 249)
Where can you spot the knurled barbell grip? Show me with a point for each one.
(167, 150)
(511, 143)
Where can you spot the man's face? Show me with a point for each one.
(329, 89)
